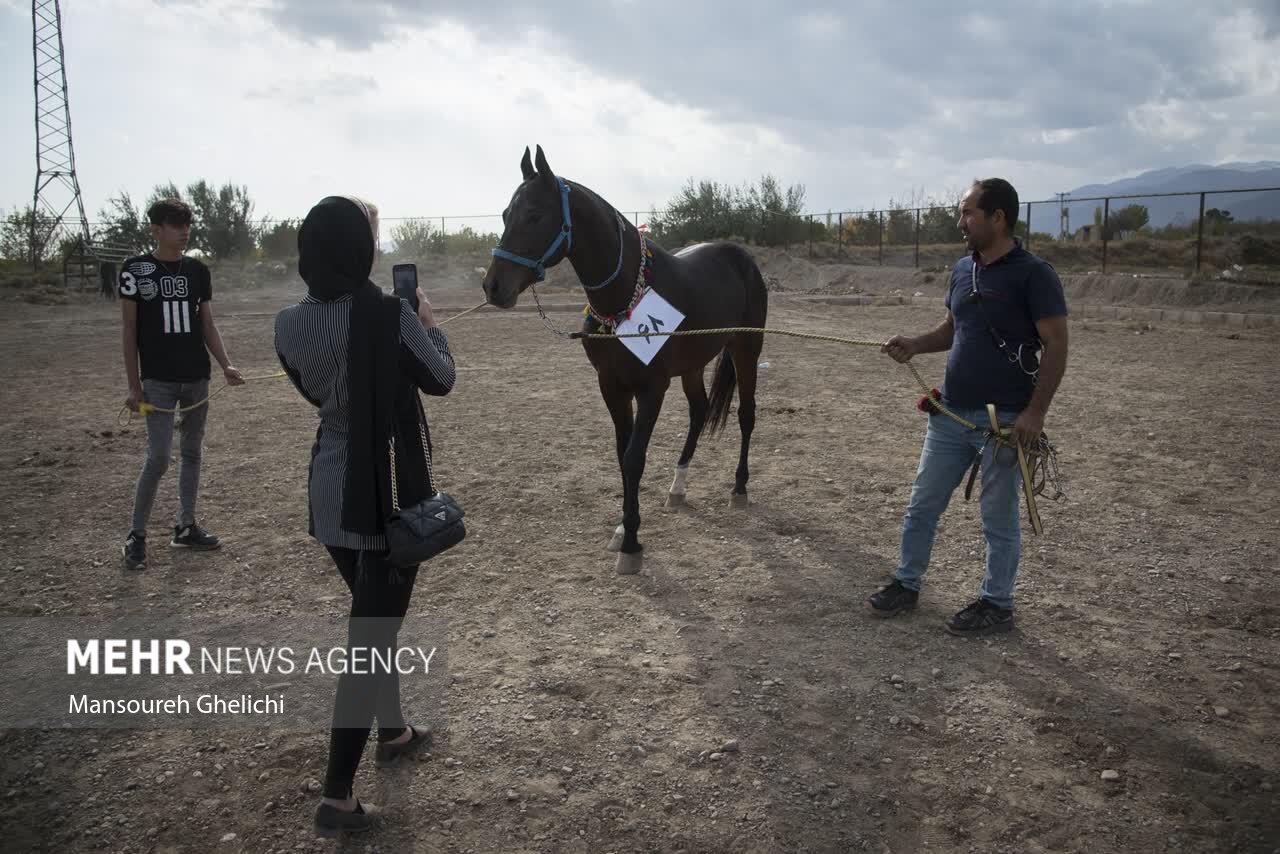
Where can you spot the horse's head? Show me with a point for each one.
(535, 235)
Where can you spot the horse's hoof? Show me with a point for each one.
(676, 499)
(616, 543)
(630, 563)
(738, 501)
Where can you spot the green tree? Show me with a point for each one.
(467, 240)
(417, 238)
(1218, 222)
(222, 223)
(702, 210)
(1127, 220)
(224, 213)
(899, 223)
(15, 236)
(164, 191)
(938, 222)
(781, 210)
(763, 213)
(862, 229)
(123, 223)
(279, 239)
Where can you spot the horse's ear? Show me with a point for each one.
(526, 166)
(544, 168)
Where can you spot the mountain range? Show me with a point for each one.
(1179, 210)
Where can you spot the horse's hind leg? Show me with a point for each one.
(745, 351)
(696, 392)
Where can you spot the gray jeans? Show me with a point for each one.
(171, 395)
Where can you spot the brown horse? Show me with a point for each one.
(715, 285)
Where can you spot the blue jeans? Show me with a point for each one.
(949, 451)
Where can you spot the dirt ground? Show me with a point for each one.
(736, 697)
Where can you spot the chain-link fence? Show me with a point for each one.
(1229, 234)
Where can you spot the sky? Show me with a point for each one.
(425, 107)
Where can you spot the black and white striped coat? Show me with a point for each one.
(311, 342)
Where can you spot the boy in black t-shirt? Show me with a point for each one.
(168, 324)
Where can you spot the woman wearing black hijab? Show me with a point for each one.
(360, 357)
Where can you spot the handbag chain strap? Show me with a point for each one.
(395, 492)
(426, 453)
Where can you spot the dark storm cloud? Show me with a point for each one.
(876, 73)
(1268, 13)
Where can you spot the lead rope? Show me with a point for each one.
(1040, 459)
(125, 416)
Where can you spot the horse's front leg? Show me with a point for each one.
(649, 405)
(618, 400)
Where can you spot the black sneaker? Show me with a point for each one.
(193, 537)
(892, 600)
(981, 618)
(134, 551)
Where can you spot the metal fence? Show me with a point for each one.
(1192, 232)
(1233, 233)
(1154, 232)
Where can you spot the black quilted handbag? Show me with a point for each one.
(420, 532)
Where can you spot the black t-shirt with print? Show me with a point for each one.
(169, 295)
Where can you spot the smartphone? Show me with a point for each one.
(404, 281)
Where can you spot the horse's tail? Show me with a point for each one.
(722, 386)
(107, 279)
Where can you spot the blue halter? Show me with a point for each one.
(565, 236)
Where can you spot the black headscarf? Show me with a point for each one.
(335, 258)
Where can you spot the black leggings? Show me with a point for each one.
(362, 697)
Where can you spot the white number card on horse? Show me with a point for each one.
(652, 314)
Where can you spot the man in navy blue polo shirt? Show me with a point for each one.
(1006, 330)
